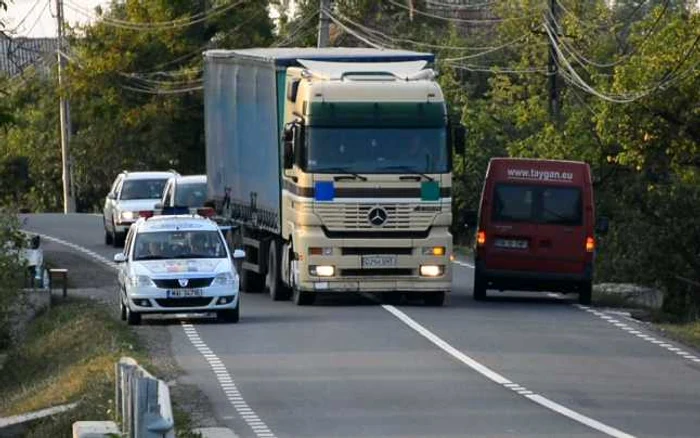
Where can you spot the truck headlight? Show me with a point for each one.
(141, 281)
(127, 215)
(322, 271)
(431, 270)
(224, 279)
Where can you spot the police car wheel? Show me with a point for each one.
(132, 318)
(229, 315)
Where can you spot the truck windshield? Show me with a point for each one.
(377, 150)
(537, 204)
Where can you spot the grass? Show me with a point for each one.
(686, 333)
(69, 356)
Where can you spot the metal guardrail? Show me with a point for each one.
(142, 402)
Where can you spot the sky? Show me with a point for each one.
(36, 18)
(39, 15)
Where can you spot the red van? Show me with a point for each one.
(536, 228)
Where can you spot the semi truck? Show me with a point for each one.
(332, 169)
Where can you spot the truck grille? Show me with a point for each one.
(353, 216)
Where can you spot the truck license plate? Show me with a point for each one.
(379, 261)
(184, 293)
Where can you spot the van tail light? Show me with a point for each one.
(481, 238)
(205, 212)
(590, 244)
(146, 213)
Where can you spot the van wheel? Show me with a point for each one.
(585, 293)
(108, 237)
(434, 299)
(277, 290)
(479, 289)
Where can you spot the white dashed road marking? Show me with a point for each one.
(227, 384)
(635, 332)
(632, 330)
(225, 381)
(503, 381)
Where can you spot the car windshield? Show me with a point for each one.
(537, 204)
(377, 150)
(179, 245)
(142, 189)
(191, 194)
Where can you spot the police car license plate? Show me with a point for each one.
(379, 261)
(184, 293)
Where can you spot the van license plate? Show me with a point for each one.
(184, 293)
(384, 261)
(511, 243)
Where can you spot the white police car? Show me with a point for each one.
(177, 264)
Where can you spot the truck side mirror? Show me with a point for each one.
(602, 225)
(459, 137)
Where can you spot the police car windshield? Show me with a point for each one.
(161, 245)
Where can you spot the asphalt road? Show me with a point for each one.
(518, 365)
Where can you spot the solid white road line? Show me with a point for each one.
(501, 380)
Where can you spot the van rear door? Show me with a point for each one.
(536, 227)
(561, 231)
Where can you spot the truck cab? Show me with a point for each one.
(361, 168)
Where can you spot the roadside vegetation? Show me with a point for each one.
(628, 87)
(69, 356)
(11, 273)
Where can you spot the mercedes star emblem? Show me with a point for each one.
(183, 282)
(377, 216)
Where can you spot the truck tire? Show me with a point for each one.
(479, 289)
(585, 293)
(303, 298)
(273, 282)
(434, 299)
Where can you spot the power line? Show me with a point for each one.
(458, 20)
(21, 22)
(156, 26)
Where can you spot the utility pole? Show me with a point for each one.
(64, 110)
(324, 24)
(553, 68)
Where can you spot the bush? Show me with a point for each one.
(11, 270)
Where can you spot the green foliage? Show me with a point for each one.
(11, 271)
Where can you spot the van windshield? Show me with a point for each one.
(537, 204)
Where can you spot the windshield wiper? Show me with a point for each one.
(408, 169)
(345, 171)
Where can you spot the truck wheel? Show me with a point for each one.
(434, 299)
(304, 298)
(585, 293)
(277, 290)
(479, 289)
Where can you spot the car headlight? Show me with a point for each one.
(141, 281)
(224, 279)
(127, 215)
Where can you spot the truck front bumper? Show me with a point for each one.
(349, 261)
